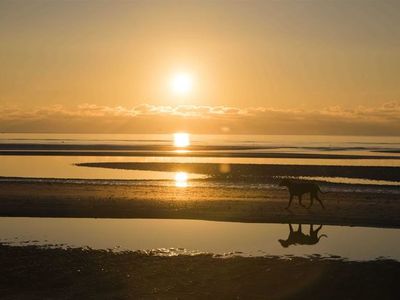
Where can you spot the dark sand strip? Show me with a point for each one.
(261, 173)
(207, 203)
(36, 273)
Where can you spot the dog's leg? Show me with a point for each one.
(300, 229)
(290, 201)
(319, 200)
(311, 229)
(301, 199)
(311, 200)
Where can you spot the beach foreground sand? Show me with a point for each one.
(37, 273)
(41, 273)
(205, 202)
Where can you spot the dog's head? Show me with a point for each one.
(284, 243)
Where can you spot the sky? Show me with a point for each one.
(265, 67)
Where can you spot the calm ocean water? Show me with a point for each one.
(307, 141)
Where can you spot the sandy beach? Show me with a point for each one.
(208, 203)
(37, 273)
(230, 184)
(260, 173)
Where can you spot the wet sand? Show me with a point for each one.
(37, 273)
(41, 199)
(257, 173)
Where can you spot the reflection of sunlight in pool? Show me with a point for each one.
(181, 179)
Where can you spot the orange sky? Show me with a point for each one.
(296, 58)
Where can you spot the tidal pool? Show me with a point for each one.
(64, 167)
(173, 237)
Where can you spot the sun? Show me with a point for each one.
(181, 83)
(181, 140)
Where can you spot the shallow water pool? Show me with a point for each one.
(173, 237)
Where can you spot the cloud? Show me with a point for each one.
(147, 118)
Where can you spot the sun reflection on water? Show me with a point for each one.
(181, 151)
(181, 179)
(181, 140)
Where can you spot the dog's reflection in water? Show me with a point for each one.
(299, 238)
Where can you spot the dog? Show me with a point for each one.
(298, 188)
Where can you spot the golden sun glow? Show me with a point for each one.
(182, 83)
(181, 140)
(181, 179)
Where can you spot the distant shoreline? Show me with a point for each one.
(162, 153)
